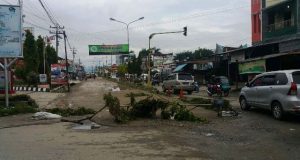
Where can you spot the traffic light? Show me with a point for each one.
(185, 31)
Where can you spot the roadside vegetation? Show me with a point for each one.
(20, 104)
(148, 108)
(66, 112)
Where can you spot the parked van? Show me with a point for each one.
(276, 91)
(178, 81)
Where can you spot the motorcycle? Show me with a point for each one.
(217, 89)
(221, 87)
(214, 89)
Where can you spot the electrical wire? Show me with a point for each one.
(40, 27)
(49, 15)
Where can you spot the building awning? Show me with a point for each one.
(179, 68)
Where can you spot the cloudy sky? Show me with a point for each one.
(87, 22)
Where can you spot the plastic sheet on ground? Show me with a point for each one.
(86, 126)
(115, 89)
(45, 115)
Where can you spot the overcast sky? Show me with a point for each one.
(226, 22)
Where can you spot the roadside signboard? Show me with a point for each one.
(270, 3)
(58, 74)
(10, 31)
(2, 82)
(108, 49)
(253, 67)
(43, 78)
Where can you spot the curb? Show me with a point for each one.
(34, 89)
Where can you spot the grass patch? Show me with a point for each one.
(66, 112)
(19, 108)
(19, 104)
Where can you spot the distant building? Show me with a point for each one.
(277, 22)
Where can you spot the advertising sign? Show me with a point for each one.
(43, 78)
(2, 82)
(254, 67)
(58, 74)
(10, 31)
(108, 49)
(270, 3)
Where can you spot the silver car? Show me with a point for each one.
(276, 91)
(179, 81)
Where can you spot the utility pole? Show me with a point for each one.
(57, 32)
(73, 50)
(44, 53)
(66, 57)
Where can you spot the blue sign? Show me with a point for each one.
(10, 31)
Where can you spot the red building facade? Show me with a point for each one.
(256, 6)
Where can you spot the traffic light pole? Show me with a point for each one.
(149, 52)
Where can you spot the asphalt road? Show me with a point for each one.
(252, 135)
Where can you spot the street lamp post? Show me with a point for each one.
(127, 27)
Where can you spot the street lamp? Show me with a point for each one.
(127, 27)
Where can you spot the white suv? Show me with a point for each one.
(276, 91)
(178, 81)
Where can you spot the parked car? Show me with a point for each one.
(178, 81)
(144, 77)
(276, 91)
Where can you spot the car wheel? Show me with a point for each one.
(226, 93)
(277, 111)
(244, 104)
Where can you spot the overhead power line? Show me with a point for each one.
(37, 26)
(48, 14)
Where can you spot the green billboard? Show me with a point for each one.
(254, 67)
(108, 49)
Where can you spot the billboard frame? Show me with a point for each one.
(20, 33)
(103, 51)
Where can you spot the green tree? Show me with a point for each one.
(196, 55)
(51, 55)
(188, 55)
(31, 57)
(202, 52)
(134, 66)
(40, 50)
(122, 70)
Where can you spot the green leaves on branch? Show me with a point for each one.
(147, 108)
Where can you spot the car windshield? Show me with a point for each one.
(185, 77)
(224, 80)
(296, 77)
